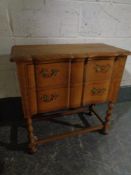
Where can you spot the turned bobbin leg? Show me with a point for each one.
(32, 138)
(107, 118)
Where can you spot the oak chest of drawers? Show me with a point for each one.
(67, 78)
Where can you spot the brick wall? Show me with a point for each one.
(60, 21)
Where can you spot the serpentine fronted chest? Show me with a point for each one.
(67, 78)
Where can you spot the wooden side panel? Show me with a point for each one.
(119, 65)
(23, 87)
(118, 69)
(30, 76)
(31, 85)
(32, 97)
(29, 102)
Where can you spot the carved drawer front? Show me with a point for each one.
(52, 74)
(52, 99)
(96, 92)
(97, 70)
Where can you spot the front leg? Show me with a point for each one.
(108, 118)
(32, 138)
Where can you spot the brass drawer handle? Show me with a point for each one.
(49, 98)
(48, 74)
(98, 91)
(102, 68)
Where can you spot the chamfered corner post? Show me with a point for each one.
(108, 118)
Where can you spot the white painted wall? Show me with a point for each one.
(60, 21)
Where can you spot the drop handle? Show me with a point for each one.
(98, 91)
(49, 98)
(102, 68)
(49, 73)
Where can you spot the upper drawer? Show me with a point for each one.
(52, 74)
(97, 70)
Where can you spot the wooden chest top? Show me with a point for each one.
(64, 51)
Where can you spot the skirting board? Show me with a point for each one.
(12, 107)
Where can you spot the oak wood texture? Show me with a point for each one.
(69, 78)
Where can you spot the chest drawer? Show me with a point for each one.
(95, 92)
(52, 74)
(52, 99)
(97, 70)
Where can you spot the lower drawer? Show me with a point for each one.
(52, 99)
(95, 92)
